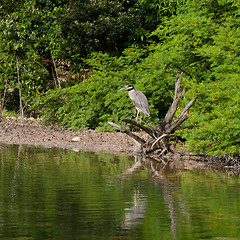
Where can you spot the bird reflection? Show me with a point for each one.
(135, 214)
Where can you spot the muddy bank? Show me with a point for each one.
(30, 132)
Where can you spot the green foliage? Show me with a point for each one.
(36, 31)
(94, 102)
(201, 37)
(215, 124)
(109, 26)
(203, 42)
(6, 113)
(20, 40)
(157, 9)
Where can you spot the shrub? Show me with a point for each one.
(97, 100)
(203, 41)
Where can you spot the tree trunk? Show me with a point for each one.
(20, 90)
(2, 99)
(55, 70)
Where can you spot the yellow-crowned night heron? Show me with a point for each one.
(139, 100)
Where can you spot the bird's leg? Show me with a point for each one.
(137, 115)
(140, 118)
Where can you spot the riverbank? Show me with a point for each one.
(30, 132)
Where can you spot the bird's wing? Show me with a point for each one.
(140, 101)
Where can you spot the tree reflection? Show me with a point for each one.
(159, 171)
(16, 173)
(56, 194)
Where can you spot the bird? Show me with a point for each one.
(139, 100)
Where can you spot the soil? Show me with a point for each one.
(30, 132)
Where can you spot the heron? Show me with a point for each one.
(139, 100)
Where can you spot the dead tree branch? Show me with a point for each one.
(130, 134)
(55, 69)
(182, 117)
(175, 104)
(160, 136)
(146, 129)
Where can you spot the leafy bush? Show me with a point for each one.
(94, 102)
(37, 32)
(110, 26)
(215, 123)
(203, 41)
(19, 45)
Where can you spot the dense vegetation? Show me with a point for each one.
(145, 43)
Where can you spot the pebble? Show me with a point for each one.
(76, 139)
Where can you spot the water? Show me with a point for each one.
(60, 194)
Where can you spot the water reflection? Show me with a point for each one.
(58, 194)
(16, 174)
(158, 170)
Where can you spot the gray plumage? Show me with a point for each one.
(139, 100)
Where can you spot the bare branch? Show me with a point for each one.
(182, 117)
(146, 129)
(177, 92)
(172, 110)
(162, 136)
(130, 134)
(152, 128)
(2, 100)
(55, 69)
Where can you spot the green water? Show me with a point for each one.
(60, 194)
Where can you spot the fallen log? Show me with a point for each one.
(158, 143)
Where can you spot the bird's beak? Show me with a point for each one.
(122, 89)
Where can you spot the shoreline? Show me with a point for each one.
(27, 131)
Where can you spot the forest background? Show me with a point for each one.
(65, 60)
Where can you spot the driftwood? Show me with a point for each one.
(158, 142)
